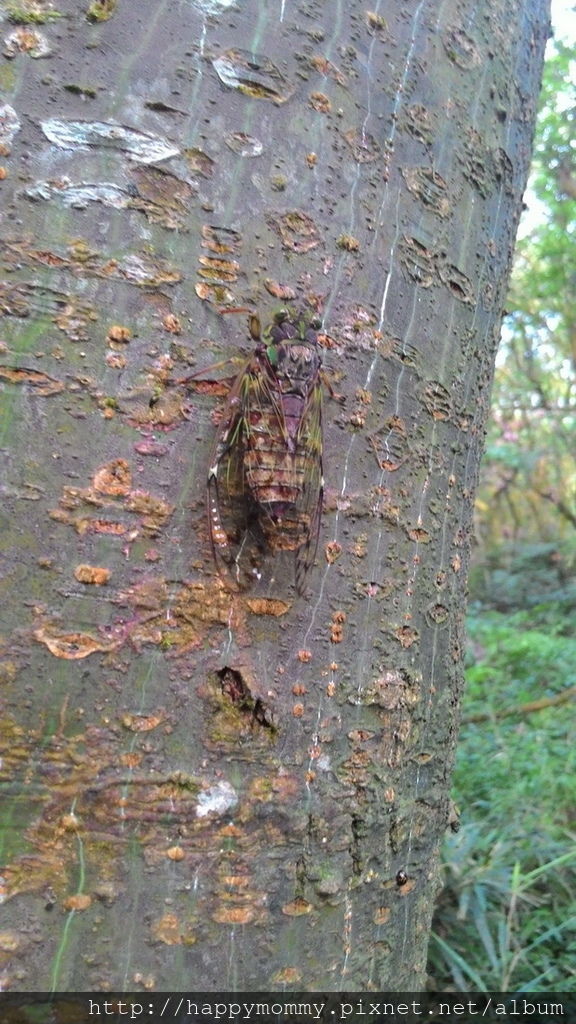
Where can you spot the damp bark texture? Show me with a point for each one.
(206, 786)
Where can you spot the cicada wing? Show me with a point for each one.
(309, 504)
(226, 484)
(225, 501)
(232, 511)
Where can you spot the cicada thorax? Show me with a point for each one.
(281, 444)
(270, 448)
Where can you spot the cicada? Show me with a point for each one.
(265, 481)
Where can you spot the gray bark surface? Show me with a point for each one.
(202, 787)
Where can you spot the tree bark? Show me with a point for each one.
(208, 788)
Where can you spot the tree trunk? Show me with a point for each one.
(206, 787)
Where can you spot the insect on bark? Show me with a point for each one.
(265, 479)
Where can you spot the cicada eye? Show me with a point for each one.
(316, 323)
(281, 316)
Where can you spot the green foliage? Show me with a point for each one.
(528, 483)
(520, 762)
(506, 919)
(553, 147)
(503, 926)
(516, 576)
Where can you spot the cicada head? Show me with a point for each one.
(294, 353)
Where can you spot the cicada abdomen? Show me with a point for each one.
(265, 482)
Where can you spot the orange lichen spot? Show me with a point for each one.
(381, 915)
(175, 853)
(311, 159)
(92, 574)
(331, 689)
(113, 478)
(71, 646)
(321, 102)
(142, 723)
(348, 242)
(213, 268)
(389, 795)
(220, 239)
(360, 546)
(298, 710)
(279, 291)
(286, 788)
(357, 419)
(151, 447)
(115, 361)
(287, 976)
(304, 656)
(363, 145)
(3, 173)
(198, 161)
(236, 881)
(41, 382)
(375, 21)
(154, 511)
(234, 915)
(420, 535)
(325, 340)
(26, 40)
(101, 526)
(131, 760)
(336, 627)
(10, 941)
(146, 981)
(261, 789)
(172, 324)
(299, 689)
(8, 672)
(297, 231)
(332, 551)
(230, 832)
(119, 334)
(297, 907)
(328, 69)
(69, 822)
(169, 930)
(360, 735)
(216, 293)
(101, 10)
(267, 606)
(403, 888)
(406, 636)
(364, 396)
(80, 901)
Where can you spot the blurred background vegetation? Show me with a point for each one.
(506, 918)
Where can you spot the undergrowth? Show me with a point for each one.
(506, 918)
